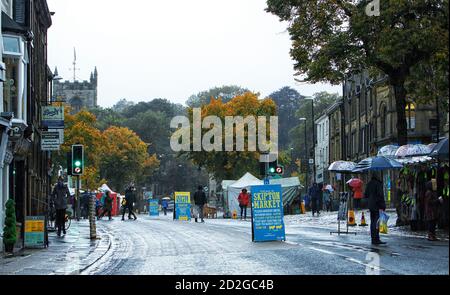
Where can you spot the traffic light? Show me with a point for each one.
(77, 160)
(272, 168)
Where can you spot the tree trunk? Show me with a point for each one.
(400, 107)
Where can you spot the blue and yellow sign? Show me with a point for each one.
(183, 206)
(153, 207)
(34, 231)
(267, 213)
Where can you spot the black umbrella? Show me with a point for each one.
(440, 151)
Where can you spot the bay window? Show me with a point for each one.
(15, 57)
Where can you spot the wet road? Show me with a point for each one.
(163, 246)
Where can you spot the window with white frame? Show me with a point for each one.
(15, 57)
(7, 7)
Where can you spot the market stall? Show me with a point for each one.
(232, 189)
(116, 199)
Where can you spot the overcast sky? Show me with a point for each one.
(147, 49)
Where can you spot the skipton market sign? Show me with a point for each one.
(267, 213)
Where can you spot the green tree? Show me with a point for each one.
(322, 101)
(125, 158)
(288, 101)
(331, 39)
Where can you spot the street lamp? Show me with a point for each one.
(314, 134)
(306, 150)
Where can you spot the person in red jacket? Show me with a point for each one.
(243, 202)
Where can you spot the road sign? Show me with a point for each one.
(311, 161)
(266, 181)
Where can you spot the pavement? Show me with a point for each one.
(66, 255)
(161, 246)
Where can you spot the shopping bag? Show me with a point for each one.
(383, 223)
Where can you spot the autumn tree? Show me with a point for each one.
(80, 129)
(232, 164)
(125, 158)
(332, 39)
(226, 93)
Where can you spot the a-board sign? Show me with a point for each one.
(183, 206)
(153, 207)
(343, 207)
(34, 231)
(267, 213)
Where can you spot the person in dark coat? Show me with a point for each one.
(200, 201)
(130, 199)
(314, 195)
(432, 203)
(374, 192)
(60, 195)
(107, 206)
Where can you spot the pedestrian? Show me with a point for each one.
(59, 198)
(129, 199)
(314, 195)
(200, 201)
(432, 203)
(107, 206)
(327, 200)
(164, 205)
(98, 207)
(244, 199)
(374, 192)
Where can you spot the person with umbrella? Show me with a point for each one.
(356, 186)
(374, 192)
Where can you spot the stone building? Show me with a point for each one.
(321, 148)
(77, 94)
(365, 120)
(26, 82)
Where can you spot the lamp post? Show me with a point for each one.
(306, 150)
(314, 135)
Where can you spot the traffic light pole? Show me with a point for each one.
(77, 198)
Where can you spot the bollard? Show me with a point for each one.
(92, 226)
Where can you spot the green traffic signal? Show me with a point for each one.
(272, 170)
(77, 160)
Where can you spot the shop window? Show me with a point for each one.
(411, 116)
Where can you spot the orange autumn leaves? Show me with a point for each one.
(229, 165)
(117, 154)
